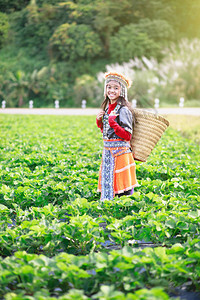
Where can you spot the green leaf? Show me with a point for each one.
(3, 208)
(170, 223)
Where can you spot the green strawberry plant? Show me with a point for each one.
(59, 241)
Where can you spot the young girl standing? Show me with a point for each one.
(117, 174)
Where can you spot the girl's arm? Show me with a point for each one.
(99, 124)
(99, 120)
(124, 130)
(121, 132)
(126, 119)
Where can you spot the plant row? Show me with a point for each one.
(127, 270)
(76, 227)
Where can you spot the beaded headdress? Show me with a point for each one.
(121, 79)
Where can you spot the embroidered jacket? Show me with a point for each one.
(124, 120)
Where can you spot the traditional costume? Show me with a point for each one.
(117, 172)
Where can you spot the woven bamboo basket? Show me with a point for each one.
(147, 131)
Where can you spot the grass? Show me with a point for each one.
(189, 126)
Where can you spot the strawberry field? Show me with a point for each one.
(58, 241)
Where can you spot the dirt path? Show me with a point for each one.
(93, 111)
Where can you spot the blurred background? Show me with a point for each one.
(52, 50)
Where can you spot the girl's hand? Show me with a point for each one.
(100, 115)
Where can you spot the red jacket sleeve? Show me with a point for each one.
(121, 132)
(99, 124)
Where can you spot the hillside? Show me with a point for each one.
(53, 50)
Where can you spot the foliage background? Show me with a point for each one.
(55, 50)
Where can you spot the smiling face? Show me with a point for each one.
(113, 90)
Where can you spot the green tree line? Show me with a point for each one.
(47, 46)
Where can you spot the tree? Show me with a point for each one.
(157, 30)
(152, 9)
(129, 43)
(80, 12)
(186, 19)
(110, 15)
(18, 87)
(4, 27)
(72, 42)
(9, 6)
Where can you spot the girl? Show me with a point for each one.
(117, 174)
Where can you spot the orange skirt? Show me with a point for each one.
(118, 170)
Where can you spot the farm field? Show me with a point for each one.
(189, 126)
(58, 241)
